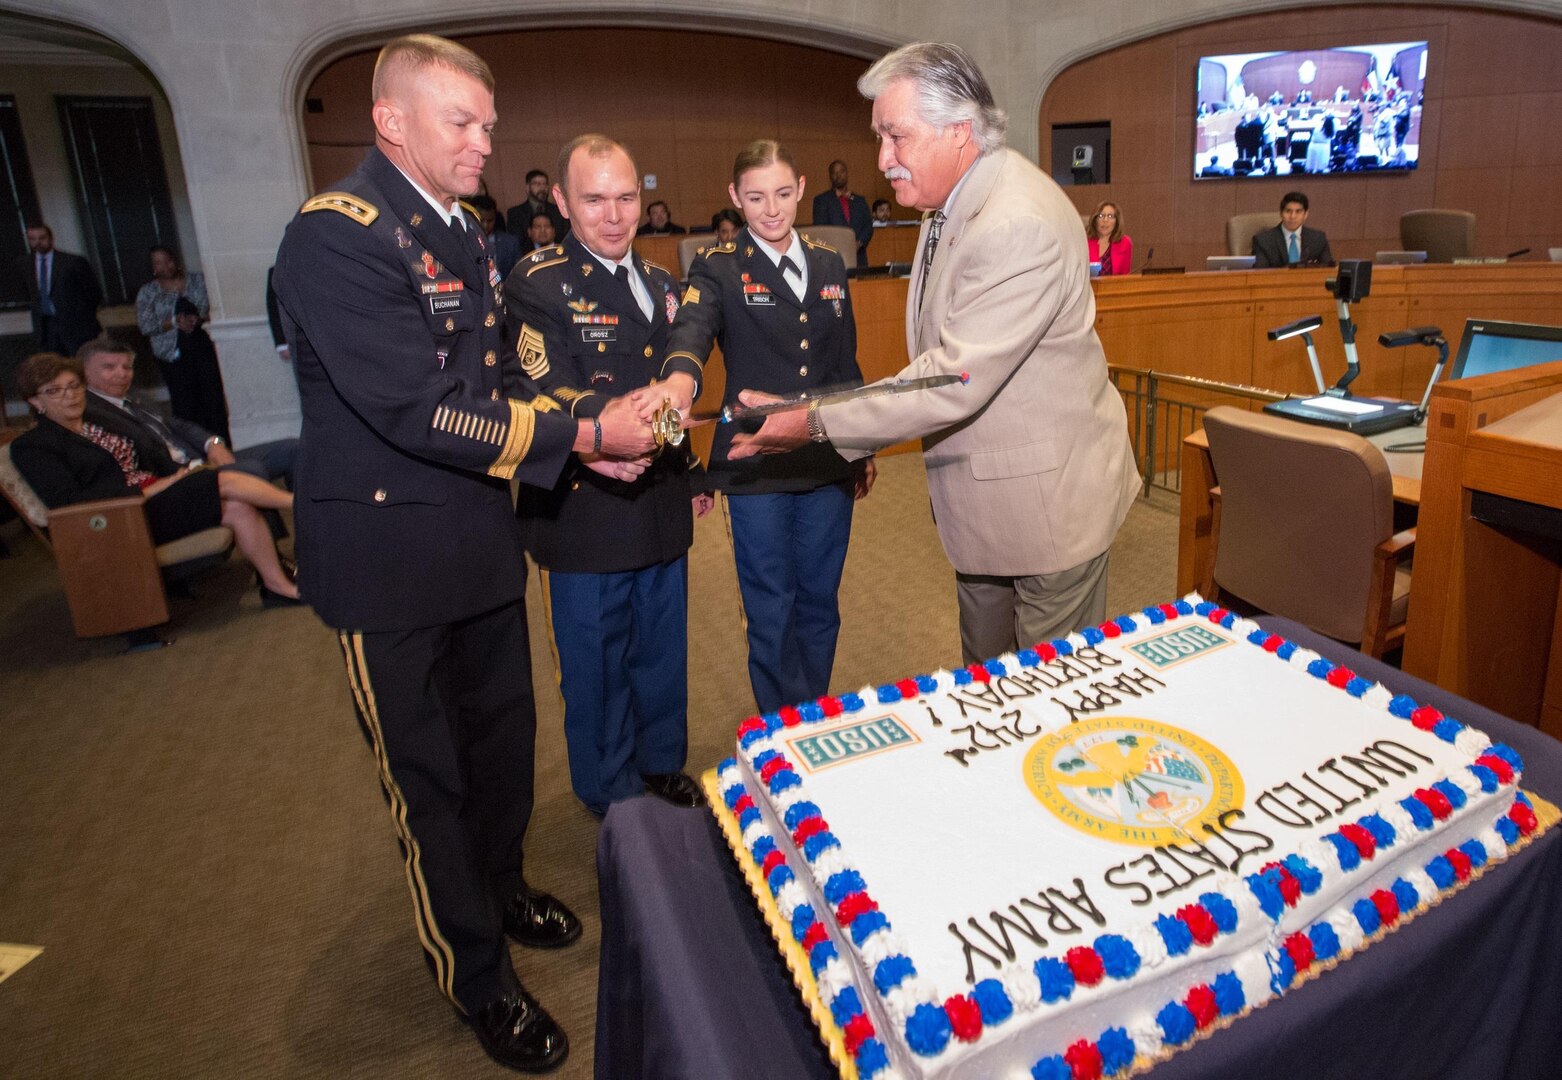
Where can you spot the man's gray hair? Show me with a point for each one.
(950, 89)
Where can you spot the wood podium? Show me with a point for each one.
(1484, 619)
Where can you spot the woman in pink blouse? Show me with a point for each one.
(1109, 245)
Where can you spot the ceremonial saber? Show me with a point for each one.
(668, 424)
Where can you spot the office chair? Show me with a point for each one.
(1304, 527)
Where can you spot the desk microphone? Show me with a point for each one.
(1149, 257)
(1516, 254)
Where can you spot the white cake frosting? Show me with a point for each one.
(1064, 861)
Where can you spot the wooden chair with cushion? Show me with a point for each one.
(1445, 235)
(1241, 228)
(114, 577)
(1303, 527)
(842, 239)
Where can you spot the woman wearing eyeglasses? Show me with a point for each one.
(67, 460)
(1109, 245)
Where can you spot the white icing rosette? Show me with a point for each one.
(943, 681)
(1249, 909)
(881, 945)
(1399, 817)
(834, 977)
(729, 776)
(1301, 658)
(789, 898)
(1242, 627)
(759, 746)
(1150, 946)
(1378, 696)
(903, 1000)
(755, 830)
(1472, 742)
(1020, 984)
(1077, 640)
(831, 861)
(1496, 846)
(1146, 1034)
(788, 799)
(1346, 928)
(1423, 884)
(1252, 968)
(1465, 781)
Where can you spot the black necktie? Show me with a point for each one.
(935, 227)
(789, 267)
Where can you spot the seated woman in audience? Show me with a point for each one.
(726, 223)
(1109, 246)
(68, 460)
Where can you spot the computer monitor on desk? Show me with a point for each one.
(1489, 346)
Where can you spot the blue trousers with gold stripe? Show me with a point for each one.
(622, 644)
(449, 715)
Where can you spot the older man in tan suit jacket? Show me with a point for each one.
(1029, 466)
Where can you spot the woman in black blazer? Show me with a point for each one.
(67, 460)
(778, 304)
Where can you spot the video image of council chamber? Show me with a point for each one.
(1353, 109)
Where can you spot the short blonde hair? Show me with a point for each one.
(416, 52)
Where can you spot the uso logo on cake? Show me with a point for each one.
(1132, 781)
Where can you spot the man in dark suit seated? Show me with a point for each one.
(839, 206)
(659, 222)
(62, 291)
(110, 370)
(539, 234)
(1290, 243)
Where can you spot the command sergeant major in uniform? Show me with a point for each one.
(590, 323)
(407, 542)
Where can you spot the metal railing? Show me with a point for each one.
(1158, 421)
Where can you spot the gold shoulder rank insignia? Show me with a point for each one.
(726, 249)
(344, 203)
(811, 242)
(691, 295)
(536, 266)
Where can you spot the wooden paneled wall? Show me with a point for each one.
(1491, 135)
(684, 102)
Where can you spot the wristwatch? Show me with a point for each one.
(816, 431)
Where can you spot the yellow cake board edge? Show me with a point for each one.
(791, 951)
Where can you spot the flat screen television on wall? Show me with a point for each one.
(1351, 109)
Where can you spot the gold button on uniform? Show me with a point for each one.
(802, 316)
(490, 358)
(803, 344)
(494, 396)
(379, 495)
(601, 347)
(490, 320)
(803, 370)
(648, 352)
(450, 324)
(575, 486)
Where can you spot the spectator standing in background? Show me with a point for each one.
(62, 292)
(537, 202)
(839, 206)
(1109, 245)
(170, 310)
(726, 223)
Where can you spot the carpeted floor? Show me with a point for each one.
(196, 837)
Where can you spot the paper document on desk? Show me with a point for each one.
(1343, 406)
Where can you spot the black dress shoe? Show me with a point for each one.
(676, 788)
(269, 599)
(539, 920)
(519, 1033)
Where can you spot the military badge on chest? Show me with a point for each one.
(671, 303)
(835, 294)
(756, 295)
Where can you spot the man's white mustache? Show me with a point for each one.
(897, 173)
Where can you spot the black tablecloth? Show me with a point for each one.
(691, 984)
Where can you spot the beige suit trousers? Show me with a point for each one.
(1004, 614)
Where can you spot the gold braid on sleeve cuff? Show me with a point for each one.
(517, 441)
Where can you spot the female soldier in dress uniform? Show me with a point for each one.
(776, 301)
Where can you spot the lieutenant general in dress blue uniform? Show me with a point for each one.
(407, 542)
(778, 303)
(589, 322)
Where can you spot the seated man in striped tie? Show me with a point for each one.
(1291, 243)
